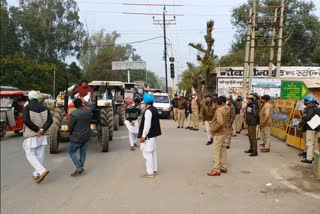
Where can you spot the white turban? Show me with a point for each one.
(33, 95)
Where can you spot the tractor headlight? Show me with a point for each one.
(93, 126)
(104, 103)
(64, 128)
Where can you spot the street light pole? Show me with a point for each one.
(165, 46)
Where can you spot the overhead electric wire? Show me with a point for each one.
(127, 43)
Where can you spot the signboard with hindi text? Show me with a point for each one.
(293, 90)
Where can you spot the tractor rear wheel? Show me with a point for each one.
(121, 113)
(116, 122)
(104, 139)
(54, 139)
(106, 119)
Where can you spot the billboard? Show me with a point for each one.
(128, 65)
(263, 86)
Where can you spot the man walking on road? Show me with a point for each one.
(181, 111)
(232, 116)
(207, 115)
(174, 103)
(252, 120)
(132, 113)
(266, 122)
(219, 130)
(311, 133)
(80, 132)
(149, 130)
(195, 112)
(37, 120)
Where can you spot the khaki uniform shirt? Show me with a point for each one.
(219, 124)
(266, 114)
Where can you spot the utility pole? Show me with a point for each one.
(274, 29)
(172, 76)
(279, 54)
(165, 46)
(162, 22)
(54, 82)
(246, 58)
(252, 44)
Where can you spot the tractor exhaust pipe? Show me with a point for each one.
(66, 97)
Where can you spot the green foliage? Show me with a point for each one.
(52, 29)
(186, 82)
(301, 34)
(100, 50)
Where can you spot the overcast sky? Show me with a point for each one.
(107, 14)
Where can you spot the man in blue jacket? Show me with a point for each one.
(311, 133)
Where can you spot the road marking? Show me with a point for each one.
(121, 138)
(275, 174)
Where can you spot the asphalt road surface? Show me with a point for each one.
(270, 183)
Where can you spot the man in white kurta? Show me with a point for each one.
(148, 131)
(37, 121)
(132, 114)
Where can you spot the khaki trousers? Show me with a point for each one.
(266, 136)
(181, 117)
(252, 131)
(208, 131)
(312, 143)
(195, 119)
(219, 153)
(304, 135)
(228, 136)
(258, 132)
(237, 123)
(175, 114)
(190, 120)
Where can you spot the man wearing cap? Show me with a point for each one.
(174, 103)
(219, 126)
(303, 128)
(232, 115)
(181, 111)
(37, 120)
(266, 122)
(149, 130)
(252, 120)
(311, 133)
(207, 115)
(195, 105)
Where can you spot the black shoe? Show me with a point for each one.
(77, 172)
(254, 153)
(238, 132)
(302, 154)
(209, 143)
(211, 140)
(228, 147)
(306, 161)
(195, 129)
(178, 127)
(248, 151)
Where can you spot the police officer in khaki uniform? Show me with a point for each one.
(219, 126)
(266, 122)
(207, 112)
(252, 121)
(230, 107)
(181, 111)
(195, 112)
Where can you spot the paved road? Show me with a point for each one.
(112, 182)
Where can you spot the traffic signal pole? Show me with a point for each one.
(173, 75)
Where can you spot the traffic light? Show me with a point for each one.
(172, 70)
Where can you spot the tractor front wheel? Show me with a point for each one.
(104, 139)
(54, 140)
(116, 122)
(121, 114)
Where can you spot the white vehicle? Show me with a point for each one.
(162, 103)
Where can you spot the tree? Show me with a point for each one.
(301, 34)
(203, 79)
(51, 30)
(186, 82)
(100, 50)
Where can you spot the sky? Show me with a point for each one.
(191, 27)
